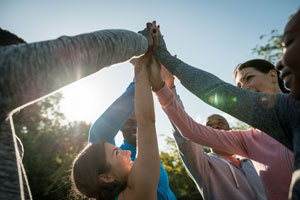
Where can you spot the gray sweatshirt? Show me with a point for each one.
(30, 71)
(278, 115)
(215, 176)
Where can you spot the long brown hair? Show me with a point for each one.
(87, 166)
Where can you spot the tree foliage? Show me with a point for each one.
(272, 50)
(50, 143)
(180, 182)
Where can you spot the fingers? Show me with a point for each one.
(154, 35)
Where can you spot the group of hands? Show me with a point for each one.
(157, 73)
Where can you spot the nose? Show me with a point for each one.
(126, 152)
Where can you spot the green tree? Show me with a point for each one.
(180, 182)
(272, 49)
(51, 143)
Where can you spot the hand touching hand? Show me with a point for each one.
(155, 74)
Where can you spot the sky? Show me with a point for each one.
(213, 35)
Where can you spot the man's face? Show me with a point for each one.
(218, 123)
(129, 130)
(289, 65)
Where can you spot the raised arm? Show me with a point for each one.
(110, 122)
(273, 114)
(191, 153)
(30, 71)
(144, 176)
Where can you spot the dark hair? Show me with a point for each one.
(262, 66)
(8, 38)
(87, 166)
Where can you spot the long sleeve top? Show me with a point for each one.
(275, 114)
(30, 71)
(109, 123)
(272, 161)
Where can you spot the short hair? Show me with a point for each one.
(8, 38)
(216, 116)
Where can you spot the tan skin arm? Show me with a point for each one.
(144, 175)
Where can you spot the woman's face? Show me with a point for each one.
(119, 160)
(251, 79)
(289, 65)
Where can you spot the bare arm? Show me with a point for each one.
(144, 176)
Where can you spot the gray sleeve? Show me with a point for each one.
(192, 154)
(29, 71)
(277, 115)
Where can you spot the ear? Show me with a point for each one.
(106, 178)
(273, 75)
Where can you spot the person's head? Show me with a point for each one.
(260, 76)
(8, 38)
(289, 65)
(101, 170)
(129, 130)
(218, 122)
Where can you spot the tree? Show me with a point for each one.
(51, 143)
(272, 50)
(180, 182)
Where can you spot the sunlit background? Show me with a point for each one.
(211, 35)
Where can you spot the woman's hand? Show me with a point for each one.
(155, 78)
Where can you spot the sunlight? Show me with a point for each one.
(86, 99)
(79, 99)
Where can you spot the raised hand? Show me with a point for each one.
(155, 78)
(147, 32)
(158, 41)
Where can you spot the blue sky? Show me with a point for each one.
(213, 35)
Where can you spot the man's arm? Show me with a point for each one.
(110, 122)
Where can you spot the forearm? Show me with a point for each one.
(30, 71)
(110, 122)
(147, 162)
(259, 110)
(144, 111)
(224, 140)
(143, 96)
